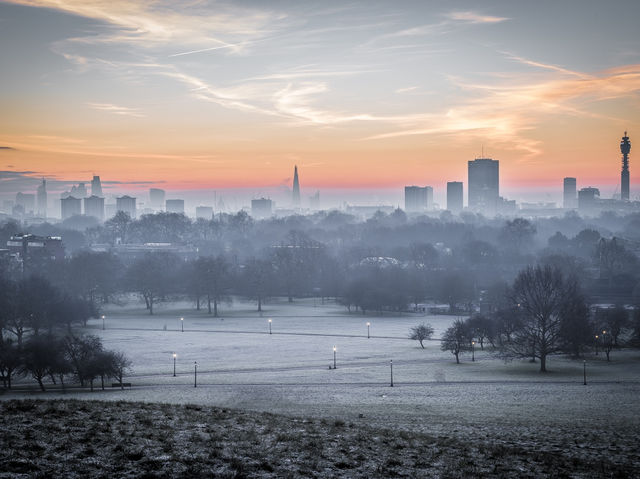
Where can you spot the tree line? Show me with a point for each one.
(330, 254)
(43, 357)
(542, 313)
(39, 339)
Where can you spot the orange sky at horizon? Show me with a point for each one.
(359, 96)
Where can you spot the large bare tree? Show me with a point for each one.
(540, 295)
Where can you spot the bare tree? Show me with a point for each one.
(613, 258)
(10, 360)
(152, 276)
(214, 274)
(422, 332)
(39, 353)
(118, 227)
(616, 320)
(481, 328)
(257, 276)
(81, 350)
(539, 294)
(120, 365)
(456, 339)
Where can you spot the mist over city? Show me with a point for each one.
(319, 239)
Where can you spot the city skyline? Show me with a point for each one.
(362, 97)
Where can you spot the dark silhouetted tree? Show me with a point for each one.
(420, 333)
(256, 280)
(456, 339)
(38, 355)
(153, 277)
(539, 294)
(10, 360)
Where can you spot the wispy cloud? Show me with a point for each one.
(6, 148)
(116, 110)
(503, 112)
(150, 23)
(451, 21)
(217, 47)
(474, 17)
(544, 66)
(407, 89)
(309, 72)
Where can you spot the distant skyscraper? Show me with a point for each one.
(416, 198)
(175, 206)
(588, 199)
(296, 188)
(625, 148)
(127, 204)
(41, 196)
(27, 201)
(79, 191)
(484, 185)
(156, 198)
(261, 208)
(96, 186)
(94, 206)
(569, 193)
(204, 212)
(455, 197)
(70, 206)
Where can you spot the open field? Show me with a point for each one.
(484, 410)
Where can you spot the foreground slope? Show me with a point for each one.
(68, 438)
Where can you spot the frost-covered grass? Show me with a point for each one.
(121, 439)
(237, 349)
(488, 409)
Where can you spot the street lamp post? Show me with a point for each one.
(584, 372)
(174, 364)
(270, 325)
(368, 326)
(195, 374)
(103, 322)
(473, 350)
(334, 357)
(597, 344)
(391, 367)
(182, 324)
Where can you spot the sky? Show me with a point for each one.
(364, 96)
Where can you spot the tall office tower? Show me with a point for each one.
(625, 148)
(156, 198)
(41, 196)
(296, 188)
(569, 193)
(96, 186)
(455, 197)
(70, 206)
(588, 199)
(261, 208)
(126, 204)
(94, 206)
(484, 185)
(416, 198)
(175, 206)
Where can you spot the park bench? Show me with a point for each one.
(120, 385)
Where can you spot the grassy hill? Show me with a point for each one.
(71, 438)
